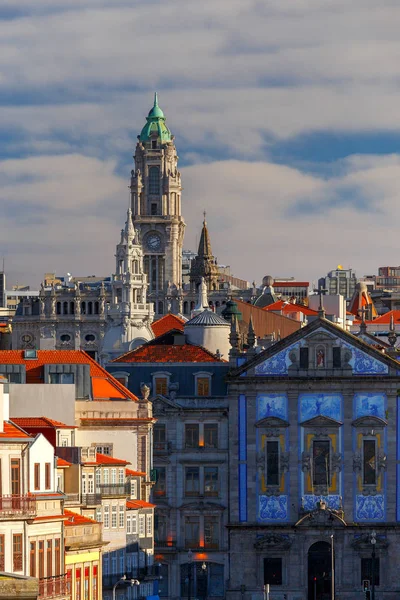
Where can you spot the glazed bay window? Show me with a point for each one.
(192, 435)
(211, 481)
(210, 435)
(160, 488)
(369, 462)
(192, 481)
(321, 462)
(106, 516)
(273, 571)
(192, 532)
(272, 462)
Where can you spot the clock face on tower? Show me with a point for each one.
(153, 242)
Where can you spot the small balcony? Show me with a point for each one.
(17, 507)
(165, 545)
(91, 499)
(162, 448)
(72, 499)
(53, 587)
(113, 489)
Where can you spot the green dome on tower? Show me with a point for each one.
(155, 124)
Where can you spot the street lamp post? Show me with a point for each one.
(123, 578)
(373, 542)
(204, 571)
(190, 559)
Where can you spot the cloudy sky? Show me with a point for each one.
(286, 116)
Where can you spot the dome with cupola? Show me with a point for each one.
(155, 125)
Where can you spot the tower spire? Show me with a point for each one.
(155, 99)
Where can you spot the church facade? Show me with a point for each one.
(314, 426)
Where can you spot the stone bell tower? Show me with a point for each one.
(156, 207)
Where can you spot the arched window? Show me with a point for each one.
(134, 267)
(154, 180)
(96, 308)
(185, 308)
(90, 308)
(65, 308)
(160, 308)
(58, 308)
(71, 308)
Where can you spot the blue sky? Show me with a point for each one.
(285, 115)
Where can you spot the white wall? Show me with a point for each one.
(124, 442)
(42, 452)
(53, 400)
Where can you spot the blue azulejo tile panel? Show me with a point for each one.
(313, 405)
(369, 405)
(370, 508)
(277, 364)
(242, 456)
(309, 502)
(272, 405)
(242, 492)
(364, 364)
(272, 508)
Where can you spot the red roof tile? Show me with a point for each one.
(103, 459)
(62, 463)
(167, 323)
(41, 422)
(139, 504)
(13, 431)
(289, 307)
(102, 381)
(168, 354)
(134, 473)
(76, 519)
(385, 319)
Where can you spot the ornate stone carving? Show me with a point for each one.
(381, 460)
(145, 389)
(305, 462)
(260, 461)
(274, 540)
(284, 461)
(336, 462)
(357, 462)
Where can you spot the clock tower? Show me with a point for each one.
(156, 208)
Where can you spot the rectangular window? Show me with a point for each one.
(32, 560)
(106, 564)
(192, 529)
(211, 435)
(106, 517)
(192, 481)
(134, 524)
(113, 475)
(337, 358)
(94, 583)
(69, 584)
(191, 435)
(113, 517)
(90, 484)
(83, 484)
(142, 531)
(366, 570)
(159, 488)
(57, 557)
(272, 459)
(78, 584)
(303, 358)
(98, 515)
(273, 571)
(159, 436)
(211, 481)
(133, 489)
(36, 476)
(114, 562)
(61, 378)
(211, 532)
(2, 552)
(149, 524)
(121, 517)
(17, 552)
(98, 478)
(369, 462)
(49, 571)
(15, 477)
(121, 476)
(121, 562)
(41, 559)
(161, 385)
(203, 386)
(321, 463)
(47, 476)
(105, 476)
(86, 584)
(128, 524)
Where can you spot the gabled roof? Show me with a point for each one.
(153, 352)
(41, 422)
(77, 519)
(11, 431)
(289, 307)
(103, 459)
(167, 323)
(104, 385)
(307, 330)
(138, 504)
(385, 319)
(130, 472)
(62, 463)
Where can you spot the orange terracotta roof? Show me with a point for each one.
(62, 463)
(102, 382)
(289, 307)
(103, 459)
(49, 518)
(76, 519)
(13, 431)
(167, 323)
(134, 473)
(139, 504)
(168, 354)
(385, 319)
(41, 422)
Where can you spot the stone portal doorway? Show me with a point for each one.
(319, 571)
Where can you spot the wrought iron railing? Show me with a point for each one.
(53, 587)
(113, 489)
(17, 506)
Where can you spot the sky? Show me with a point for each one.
(285, 114)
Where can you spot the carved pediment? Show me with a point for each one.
(322, 515)
(362, 542)
(321, 421)
(274, 541)
(369, 421)
(320, 336)
(162, 405)
(202, 506)
(272, 422)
